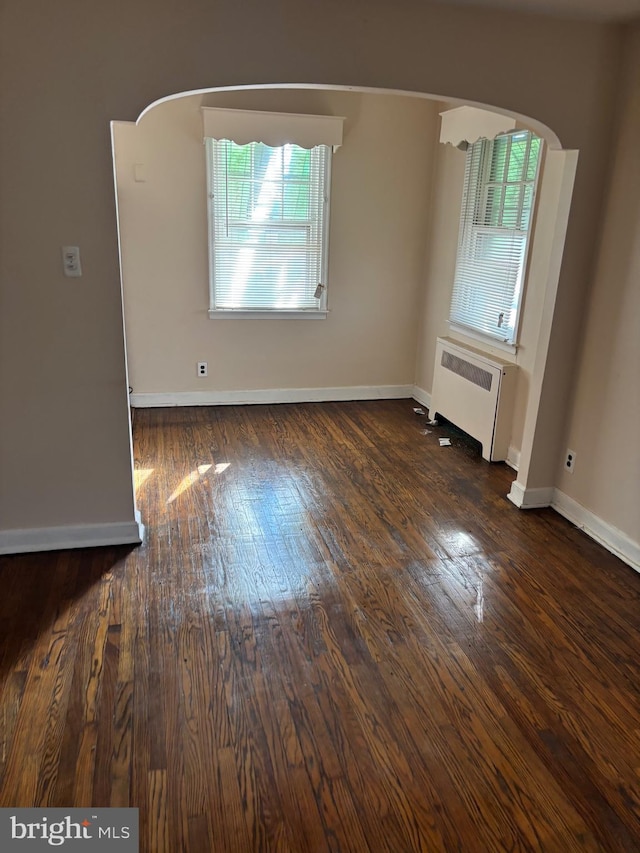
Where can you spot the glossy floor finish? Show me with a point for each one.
(337, 636)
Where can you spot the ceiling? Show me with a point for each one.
(599, 10)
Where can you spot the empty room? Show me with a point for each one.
(319, 459)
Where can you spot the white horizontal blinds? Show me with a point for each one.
(267, 218)
(500, 177)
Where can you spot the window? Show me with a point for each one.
(497, 205)
(268, 227)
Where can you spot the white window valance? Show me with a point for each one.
(469, 124)
(273, 129)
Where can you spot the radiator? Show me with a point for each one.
(476, 392)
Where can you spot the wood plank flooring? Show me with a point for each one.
(337, 636)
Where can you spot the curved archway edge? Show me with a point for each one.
(544, 131)
(536, 459)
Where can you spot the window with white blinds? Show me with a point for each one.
(497, 205)
(268, 225)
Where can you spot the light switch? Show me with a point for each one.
(71, 261)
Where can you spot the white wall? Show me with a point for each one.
(379, 202)
(440, 257)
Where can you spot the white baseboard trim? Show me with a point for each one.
(606, 534)
(71, 536)
(421, 396)
(513, 458)
(145, 400)
(525, 498)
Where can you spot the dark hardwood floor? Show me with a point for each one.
(337, 636)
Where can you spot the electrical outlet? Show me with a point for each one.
(202, 368)
(570, 461)
(71, 261)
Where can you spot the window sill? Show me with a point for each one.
(487, 340)
(241, 314)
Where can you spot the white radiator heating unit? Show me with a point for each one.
(476, 392)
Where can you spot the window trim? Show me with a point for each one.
(318, 313)
(472, 331)
(487, 340)
(267, 314)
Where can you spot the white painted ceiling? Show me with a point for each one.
(599, 10)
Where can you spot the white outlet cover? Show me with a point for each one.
(71, 265)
